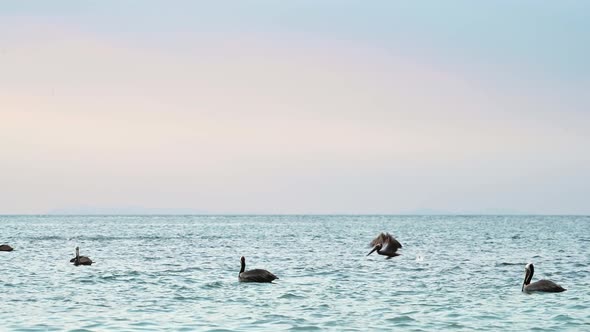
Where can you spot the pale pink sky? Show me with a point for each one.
(267, 121)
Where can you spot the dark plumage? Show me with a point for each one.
(80, 260)
(538, 286)
(5, 247)
(256, 275)
(385, 244)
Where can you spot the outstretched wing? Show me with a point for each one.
(386, 240)
(380, 239)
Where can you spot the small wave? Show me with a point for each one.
(455, 325)
(305, 328)
(562, 317)
(107, 276)
(90, 327)
(39, 327)
(101, 238)
(418, 269)
(46, 238)
(124, 276)
(185, 298)
(400, 319)
(214, 284)
(185, 270)
(116, 238)
(509, 264)
(578, 307)
(143, 324)
(87, 281)
(277, 317)
(291, 296)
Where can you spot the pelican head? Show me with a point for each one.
(77, 251)
(376, 248)
(528, 276)
(243, 264)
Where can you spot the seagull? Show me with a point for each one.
(389, 242)
(256, 275)
(538, 286)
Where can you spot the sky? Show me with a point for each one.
(295, 107)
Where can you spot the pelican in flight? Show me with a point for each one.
(256, 275)
(5, 247)
(538, 286)
(386, 242)
(80, 260)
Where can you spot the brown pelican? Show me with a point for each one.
(5, 247)
(389, 242)
(80, 260)
(538, 286)
(256, 275)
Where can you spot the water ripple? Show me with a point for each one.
(180, 273)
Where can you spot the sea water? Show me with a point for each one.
(181, 273)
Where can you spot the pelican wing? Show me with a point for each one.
(257, 275)
(84, 260)
(544, 286)
(378, 240)
(386, 240)
(5, 247)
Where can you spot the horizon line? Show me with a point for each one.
(289, 214)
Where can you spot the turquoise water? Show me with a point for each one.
(181, 273)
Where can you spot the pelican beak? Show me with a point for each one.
(374, 248)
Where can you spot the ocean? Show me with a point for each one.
(180, 273)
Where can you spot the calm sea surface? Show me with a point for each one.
(181, 273)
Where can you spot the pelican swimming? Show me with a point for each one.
(5, 247)
(256, 275)
(538, 286)
(80, 260)
(389, 242)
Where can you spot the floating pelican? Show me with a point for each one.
(256, 275)
(389, 242)
(80, 260)
(538, 286)
(5, 247)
